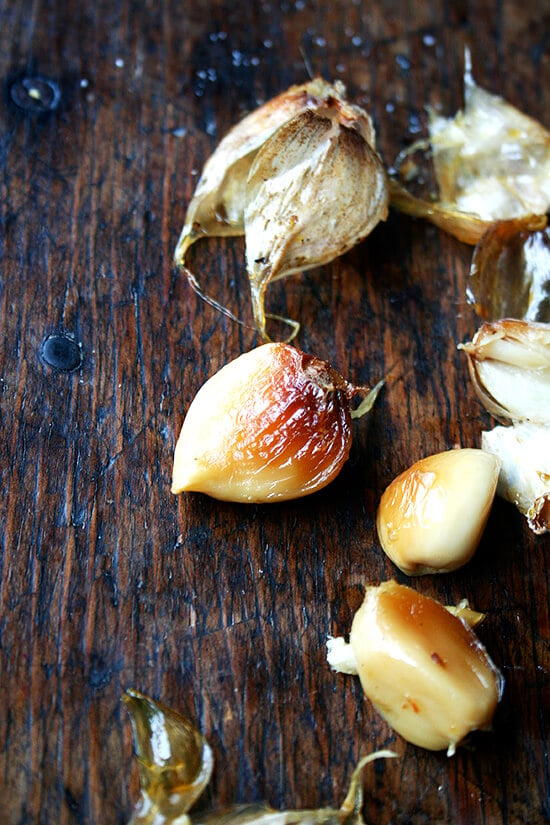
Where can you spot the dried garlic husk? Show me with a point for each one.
(273, 424)
(431, 517)
(424, 669)
(524, 450)
(175, 764)
(217, 206)
(315, 189)
(509, 363)
(175, 761)
(491, 162)
(510, 271)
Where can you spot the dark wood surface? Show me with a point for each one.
(107, 581)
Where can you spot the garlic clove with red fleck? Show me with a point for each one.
(273, 424)
(431, 517)
(423, 669)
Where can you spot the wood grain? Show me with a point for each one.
(106, 580)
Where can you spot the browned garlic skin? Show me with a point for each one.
(431, 517)
(424, 670)
(273, 424)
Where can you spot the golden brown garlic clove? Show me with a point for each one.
(316, 188)
(424, 670)
(431, 517)
(509, 363)
(273, 424)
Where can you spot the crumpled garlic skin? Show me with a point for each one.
(491, 162)
(273, 424)
(524, 451)
(431, 517)
(316, 188)
(423, 669)
(509, 363)
(217, 206)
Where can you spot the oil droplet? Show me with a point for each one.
(35, 94)
(61, 352)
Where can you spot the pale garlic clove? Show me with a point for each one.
(423, 669)
(273, 424)
(217, 206)
(431, 517)
(509, 363)
(524, 451)
(316, 188)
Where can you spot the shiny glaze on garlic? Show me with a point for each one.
(273, 424)
(432, 516)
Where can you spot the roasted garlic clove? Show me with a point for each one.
(491, 162)
(175, 761)
(524, 451)
(273, 424)
(316, 188)
(424, 669)
(431, 517)
(217, 206)
(509, 363)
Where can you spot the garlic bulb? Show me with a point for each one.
(524, 451)
(491, 162)
(431, 517)
(316, 188)
(509, 363)
(273, 424)
(424, 670)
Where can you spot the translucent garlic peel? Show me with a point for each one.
(424, 669)
(509, 363)
(273, 424)
(315, 189)
(524, 451)
(491, 162)
(431, 517)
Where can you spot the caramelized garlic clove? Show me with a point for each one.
(423, 669)
(524, 450)
(273, 424)
(431, 517)
(509, 363)
(316, 188)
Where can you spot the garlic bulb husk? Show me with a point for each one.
(524, 452)
(315, 189)
(423, 669)
(509, 363)
(217, 206)
(431, 517)
(273, 424)
(491, 162)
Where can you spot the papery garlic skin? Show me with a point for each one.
(524, 452)
(273, 424)
(431, 517)
(424, 670)
(315, 189)
(509, 363)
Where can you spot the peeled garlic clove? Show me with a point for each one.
(316, 188)
(217, 206)
(424, 670)
(431, 517)
(524, 450)
(273, 424)
(509, 363)
(510, 271)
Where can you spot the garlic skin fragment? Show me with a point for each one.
(316, 188)
(524, 451)
(423, 669)
(509, 363)
(273, 424)
(431, 517)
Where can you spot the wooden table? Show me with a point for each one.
(222, 611)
